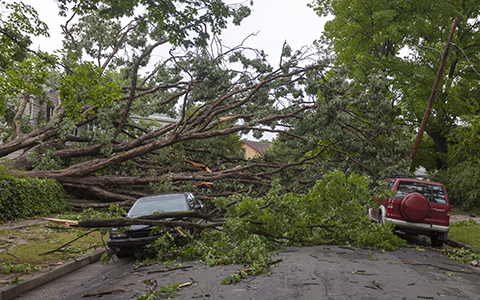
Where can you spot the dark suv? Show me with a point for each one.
(419, 207)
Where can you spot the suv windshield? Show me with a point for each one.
(151, 205)
(433, 193)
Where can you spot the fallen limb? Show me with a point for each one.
(185, 284)
(170, 269)
(102, 293)
(147, 265)
(154, 284)
(63, 222)
(59, 248)
(120, 222)
(180, 231)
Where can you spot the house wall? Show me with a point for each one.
(36, 110)
(250, 152)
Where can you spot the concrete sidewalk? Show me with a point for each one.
(33, 281)
(456, 217)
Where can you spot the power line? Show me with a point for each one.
(471, 65)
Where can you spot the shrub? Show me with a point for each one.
(30, 197)
(463, 185)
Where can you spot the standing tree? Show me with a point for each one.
(405, 40)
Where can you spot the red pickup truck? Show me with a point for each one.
(419, 207)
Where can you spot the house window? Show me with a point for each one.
(50, 116)
(49, 113)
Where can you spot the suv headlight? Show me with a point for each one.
(117, 235)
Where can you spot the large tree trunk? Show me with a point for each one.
(440, 146)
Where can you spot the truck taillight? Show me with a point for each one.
(390, 208)
(448, 216)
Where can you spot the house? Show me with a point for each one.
(37, 110)
(255, 149)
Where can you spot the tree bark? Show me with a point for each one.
(128, 222)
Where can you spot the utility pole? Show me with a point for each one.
(432, 94)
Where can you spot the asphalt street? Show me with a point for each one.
(318, 272)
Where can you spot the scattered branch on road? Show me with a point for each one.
(102, 293)
(170, 269)
(185, 284)
(441, 268)
(154, 284)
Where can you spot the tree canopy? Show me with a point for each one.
(405, 40)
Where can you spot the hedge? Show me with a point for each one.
(30, 197)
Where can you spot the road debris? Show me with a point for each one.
(102, 293)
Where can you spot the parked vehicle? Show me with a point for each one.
(125, 243)
(419, 207)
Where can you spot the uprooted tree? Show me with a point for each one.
(115, 77)
(110, 102)
(245, 230)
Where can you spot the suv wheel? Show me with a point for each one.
(380, 217)
(434, 238)
(122, 253)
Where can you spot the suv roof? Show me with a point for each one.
(416, 177)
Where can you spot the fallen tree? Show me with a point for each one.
(118, 129)
(125, 122)
(245, 230)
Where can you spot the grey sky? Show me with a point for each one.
(275, 21)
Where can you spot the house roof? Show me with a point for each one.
(260, 147)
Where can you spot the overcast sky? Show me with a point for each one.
(275, 21)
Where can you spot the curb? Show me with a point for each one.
(30, 283)
(455, 244)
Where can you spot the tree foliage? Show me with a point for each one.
(18, 23)
(332, 212)
(121, 68)
(352, 129)
(405, 39)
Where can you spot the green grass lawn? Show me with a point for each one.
(467, 232)
(27, 249)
